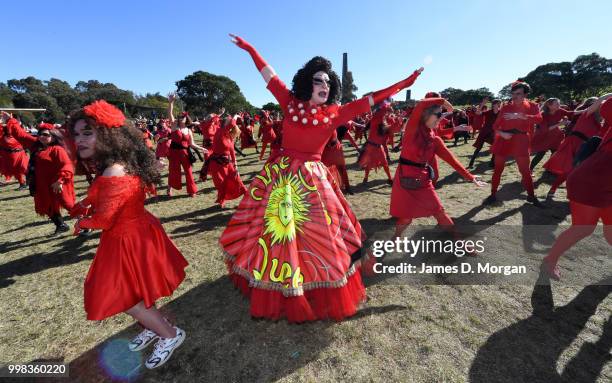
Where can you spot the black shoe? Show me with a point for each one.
(61, 228)
(348, 191)
(85, 233)
(390, 182)
(490, 200)
(22, 187)
(534, 200)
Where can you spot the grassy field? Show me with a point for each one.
(405, 332)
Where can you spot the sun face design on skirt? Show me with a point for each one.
(287, 209)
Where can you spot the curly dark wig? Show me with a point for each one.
(123, 145)
(302, 81)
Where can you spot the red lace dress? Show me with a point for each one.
(293, 244)
(52, 164)
(163, 147)
(135, 260)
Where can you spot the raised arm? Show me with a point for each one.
(171, 99)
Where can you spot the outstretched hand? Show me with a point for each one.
(239, 41)
(420, 70)
(478, 182)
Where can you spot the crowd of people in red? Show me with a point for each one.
(293, 219)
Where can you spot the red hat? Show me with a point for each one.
(105, 114)
(432, 95)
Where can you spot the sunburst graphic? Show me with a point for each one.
(287, 209)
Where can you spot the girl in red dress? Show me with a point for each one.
(209, 128)
(266, 130)
(548, 134)
(136, 263)
(374, 155)
(587, 126)
(485, 133)
(222, 165)
(293, 246)
(512, 128)
(333, 156)
(589, 190)
(246, 134)
(14, 157)
(163, 140)
(51, 176)
(181, 141)
(413, 194)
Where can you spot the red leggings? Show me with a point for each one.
(176, 159)
(443, 219)
(523, 166)
(584, 222)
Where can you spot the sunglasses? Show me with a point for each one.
(320, 81)
(438, 114)
(45, 135)
(517, 93)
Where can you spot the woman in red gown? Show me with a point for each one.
(266, 130)
(294, 245)
(548, 134)
(209, 128)
(513, 128)
(136, 263)
(374, 154)
(333, 156)
(246, 134)
(163, 140)
(181, 141)
(588, 125)
(413, 194)
(14, 157)
(51, 176)
(222, 165)
(589, 190)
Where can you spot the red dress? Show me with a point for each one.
(221, 167)
(163, 147)
(12, 143)
(545, 139)
(52, 164)
(246, 136)
(208, 129)
(373, 155)
(135, 260)
(518, 144)
(420, 146)
(289, 245)
(561, 162)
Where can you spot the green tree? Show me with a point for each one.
(67, 98)
(205, 93)
(466, 97)
(271, 106)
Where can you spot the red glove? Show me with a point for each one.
(260, 63)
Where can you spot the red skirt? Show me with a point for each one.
(423, 202)
(289, 246)
(333, 155)
(135, 262)
(545, 139)
(562, 161)
(247, 140)
(226, 180)
(516, 146)
(47, 202)
(373, 157)
(15, 164)
(484, 136)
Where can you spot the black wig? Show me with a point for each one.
(302, 81)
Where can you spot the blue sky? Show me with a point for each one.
(145, 46)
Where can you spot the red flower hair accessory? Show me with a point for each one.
(105, 114)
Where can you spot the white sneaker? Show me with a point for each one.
(142, 340)
(164, 349)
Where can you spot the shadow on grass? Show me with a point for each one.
(223, 343)
(529, 350)
(71, 251)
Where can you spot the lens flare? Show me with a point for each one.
(118, 361)
(428, 59)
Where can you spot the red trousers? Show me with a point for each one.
(177, 159)
(523, 165)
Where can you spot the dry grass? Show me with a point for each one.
(408, 333)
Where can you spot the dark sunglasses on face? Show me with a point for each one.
(438, 114)
(320, 81)
(45, 135)
(517, 93)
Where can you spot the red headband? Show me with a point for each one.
(105, 114)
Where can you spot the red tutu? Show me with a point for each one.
(135, 260)
(289, 244)
(373, 157)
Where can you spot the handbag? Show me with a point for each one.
(191, 156)
(414, 183)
